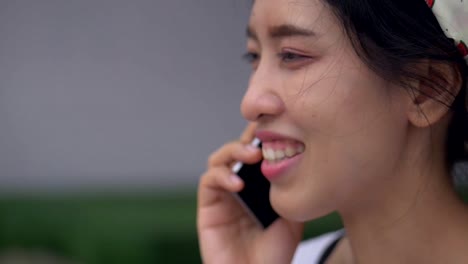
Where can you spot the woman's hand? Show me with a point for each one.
(227, 234)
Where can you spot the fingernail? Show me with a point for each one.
(251, 148)
(235, 179)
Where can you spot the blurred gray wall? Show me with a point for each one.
(117, 94)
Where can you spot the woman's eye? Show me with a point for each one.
(251, 57)
(291, 57)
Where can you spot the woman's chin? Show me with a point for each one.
(296, 208)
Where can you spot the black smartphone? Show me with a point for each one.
(255, 197)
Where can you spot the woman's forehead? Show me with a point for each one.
(306, 14)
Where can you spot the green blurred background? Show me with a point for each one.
(97, 229)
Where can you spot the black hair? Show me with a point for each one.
(392, 37)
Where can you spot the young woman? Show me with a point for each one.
(361, 107)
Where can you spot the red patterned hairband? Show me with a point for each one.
(453, 18)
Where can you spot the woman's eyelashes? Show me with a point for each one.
(286, 58)
(251, 57)
(290, 56)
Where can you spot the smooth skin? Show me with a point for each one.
(374, 152)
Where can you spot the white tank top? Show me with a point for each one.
(310, 251)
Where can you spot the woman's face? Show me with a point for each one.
(309, 87)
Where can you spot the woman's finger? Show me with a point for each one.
(216, 180)
(232, 152)
(249, 133)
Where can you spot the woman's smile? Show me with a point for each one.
(280, 153)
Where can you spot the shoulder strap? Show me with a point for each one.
(327, 252)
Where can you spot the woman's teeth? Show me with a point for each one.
(275, 155)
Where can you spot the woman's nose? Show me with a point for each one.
(261, 99)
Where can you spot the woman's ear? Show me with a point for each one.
(432, 96)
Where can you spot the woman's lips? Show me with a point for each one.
(280, 153)
(273, 170)
(266, 136)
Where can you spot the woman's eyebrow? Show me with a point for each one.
(282, 31)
